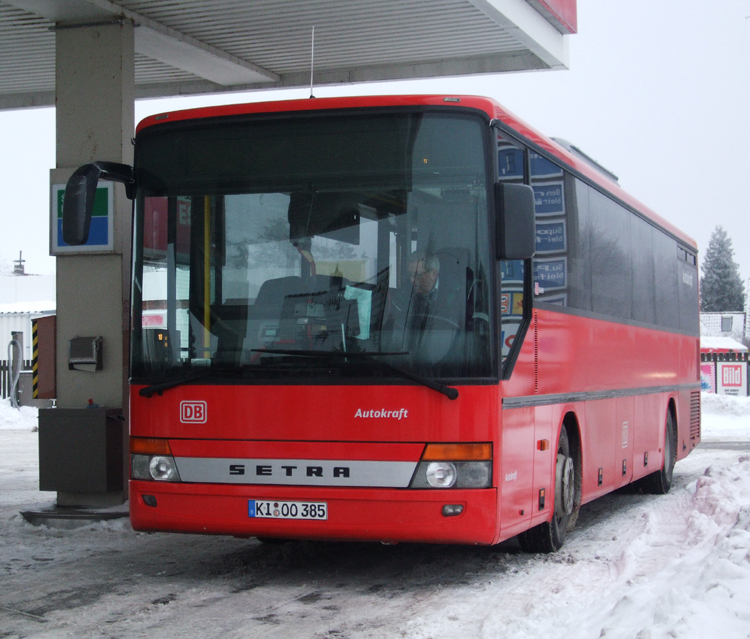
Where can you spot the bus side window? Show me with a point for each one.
(551, 264)
(511, 169)
(511, 302)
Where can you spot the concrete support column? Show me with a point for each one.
(95, 121)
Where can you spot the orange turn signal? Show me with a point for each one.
(149, 446)
(458, 452)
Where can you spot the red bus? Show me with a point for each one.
(394, 319)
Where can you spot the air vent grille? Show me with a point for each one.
(695, 414)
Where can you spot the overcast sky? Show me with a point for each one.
(658, 92)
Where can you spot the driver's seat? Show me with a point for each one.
(454, 286)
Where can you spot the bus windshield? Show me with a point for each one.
(320, 246)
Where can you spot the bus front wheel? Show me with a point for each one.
(550, 536)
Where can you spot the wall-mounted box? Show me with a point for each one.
(85, 354)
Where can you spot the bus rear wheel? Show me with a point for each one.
(550, 536)
(660, 482)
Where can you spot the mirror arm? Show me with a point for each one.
(116, 172)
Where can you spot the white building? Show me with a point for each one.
(734, 325)
(26, 288)
(17, 317)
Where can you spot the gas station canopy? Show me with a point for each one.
(185, 47)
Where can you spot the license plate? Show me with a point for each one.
(287, 509)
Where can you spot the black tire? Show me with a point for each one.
(660, 482)
(550, 536)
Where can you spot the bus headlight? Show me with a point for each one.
(152, 460)
(453, 475)
(163, 468)
(454, 466)
(139, 466)
(475, 474)
(154, 468)
(440, 474)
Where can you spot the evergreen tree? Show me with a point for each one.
(721, 285)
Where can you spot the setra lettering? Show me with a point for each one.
(287, 470)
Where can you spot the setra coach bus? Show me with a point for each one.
(393, 319)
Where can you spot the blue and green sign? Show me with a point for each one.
(101, 229)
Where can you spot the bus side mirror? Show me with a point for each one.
(80, 190)
(516, 225)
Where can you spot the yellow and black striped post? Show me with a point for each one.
(35, 359)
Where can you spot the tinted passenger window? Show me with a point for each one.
(642, 250)
(688, 295)
(607, 231)
(552, 241)
(665, 280)
(595, 255)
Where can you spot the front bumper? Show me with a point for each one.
(354, 514)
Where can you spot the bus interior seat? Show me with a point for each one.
(271, 296)
(454, 284)
(444, 341)
(325, 284)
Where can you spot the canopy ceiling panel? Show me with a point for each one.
(201, 46)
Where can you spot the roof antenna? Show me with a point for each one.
(312, 61)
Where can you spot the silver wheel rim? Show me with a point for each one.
(668, 455)
(566, 483)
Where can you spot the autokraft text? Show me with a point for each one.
(402, 413)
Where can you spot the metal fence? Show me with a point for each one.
(5, 377)
(725, 357)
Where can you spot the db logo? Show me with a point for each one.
(193, 412)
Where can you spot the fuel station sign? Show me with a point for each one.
(101, 230)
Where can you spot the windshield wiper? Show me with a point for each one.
(203, 373)
(200, 373)
(448, 391)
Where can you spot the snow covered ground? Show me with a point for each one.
(636, 566)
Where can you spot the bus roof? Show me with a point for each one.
(491, 107)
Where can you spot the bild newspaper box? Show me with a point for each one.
(724, 364)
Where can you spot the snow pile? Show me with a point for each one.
(725, 417)
(678, 566)
(652, 566)
(720, 343)
(25, 418)
(704, 586)
(713, 404)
